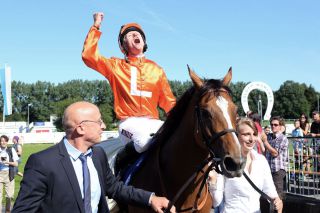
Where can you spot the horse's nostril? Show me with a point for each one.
(230, 164)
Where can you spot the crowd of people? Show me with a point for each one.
(267, 146)
(305, 147)
(305, 140)
(265, 151)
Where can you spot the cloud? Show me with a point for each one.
(155, 19)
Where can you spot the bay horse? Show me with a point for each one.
(202, 121)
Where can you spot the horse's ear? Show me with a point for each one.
(197, 82)
(226, 80)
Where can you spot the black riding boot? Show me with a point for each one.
(126, 156)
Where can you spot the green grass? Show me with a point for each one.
(28, 149)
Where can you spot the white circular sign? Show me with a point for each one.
(262, 87)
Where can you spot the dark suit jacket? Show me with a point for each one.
(50, 184)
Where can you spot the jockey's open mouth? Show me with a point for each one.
(137, 41)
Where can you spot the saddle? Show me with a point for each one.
(128, 161)
(125, 159)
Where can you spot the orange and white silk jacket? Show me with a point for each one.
(139, 85)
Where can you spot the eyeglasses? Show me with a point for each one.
(99, 122)
(274, 124)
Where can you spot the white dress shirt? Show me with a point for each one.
(238, 195)
(94, 179)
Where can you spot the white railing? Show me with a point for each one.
(51, 137)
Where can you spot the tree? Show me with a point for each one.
(178, 87)
(313, 97)
(236, 89)
(290, 100)
(107, 116)
(58, 111)
(47, 98)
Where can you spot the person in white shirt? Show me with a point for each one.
(236, 194)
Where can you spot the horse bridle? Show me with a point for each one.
(212, 158)
(215, 136)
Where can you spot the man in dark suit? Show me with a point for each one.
(55, 180)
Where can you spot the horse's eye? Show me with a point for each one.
(206, 114)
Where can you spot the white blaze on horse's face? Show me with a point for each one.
(223, 105)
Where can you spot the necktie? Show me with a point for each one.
(86, 184)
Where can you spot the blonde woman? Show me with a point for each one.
(236, 194)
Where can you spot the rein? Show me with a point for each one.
(187, 183)
(264, 195)
(214, 164)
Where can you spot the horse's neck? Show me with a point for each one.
(181, 155)
(190, 197)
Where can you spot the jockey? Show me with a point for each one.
(139, 85)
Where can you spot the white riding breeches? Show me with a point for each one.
(138, 130)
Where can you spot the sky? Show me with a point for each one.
(263, 40)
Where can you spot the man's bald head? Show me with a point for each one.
(77, 112)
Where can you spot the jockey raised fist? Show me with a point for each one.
(97, 19)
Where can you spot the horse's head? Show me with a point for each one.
(216, 122)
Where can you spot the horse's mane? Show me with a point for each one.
(178, 111)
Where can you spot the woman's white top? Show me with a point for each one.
(237, 194)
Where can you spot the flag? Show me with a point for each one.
(6, 89)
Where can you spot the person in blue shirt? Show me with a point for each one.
(8, 162)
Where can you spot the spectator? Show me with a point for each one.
(307, 157)
(18, 148)
(297, 132)
(298, 146)
(315, 126)
(262, 137)
(277, 153)
(315, 132)
(304, 124)
(267, 130)
(307, 149)
(236, 194)
(9, 160)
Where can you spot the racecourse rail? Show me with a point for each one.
(303, 174)
(50, 137)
